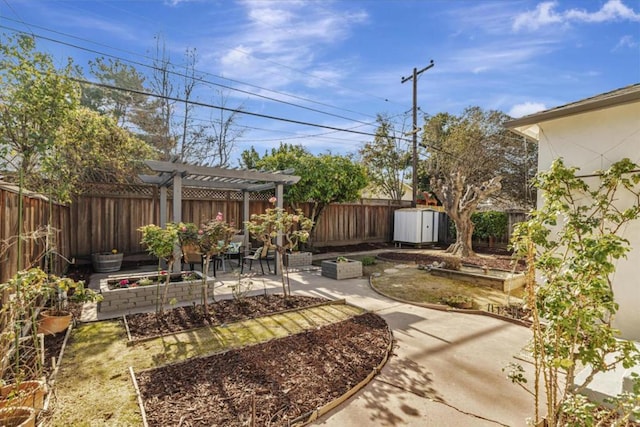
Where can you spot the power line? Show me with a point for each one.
(218, 107)
(201, 80)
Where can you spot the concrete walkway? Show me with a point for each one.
(446, 369)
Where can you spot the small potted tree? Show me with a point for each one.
(161, 243)
(293, 227)
(62, 290)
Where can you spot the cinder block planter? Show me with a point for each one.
(188, 291)
(342, 270)
(298, 259)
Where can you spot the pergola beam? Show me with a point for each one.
(241, 174)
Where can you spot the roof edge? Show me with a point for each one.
(577, 108)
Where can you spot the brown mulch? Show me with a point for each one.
(145, 325)
(282, 379)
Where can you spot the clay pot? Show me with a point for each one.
(18, 416)
(27, 393)
(51, 323)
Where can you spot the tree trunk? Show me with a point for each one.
(464, 231)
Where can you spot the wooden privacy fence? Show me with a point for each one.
(37, 214)
(107, 217)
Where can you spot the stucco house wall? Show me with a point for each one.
(592, 140)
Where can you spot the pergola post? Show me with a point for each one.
(280, 205)
(163, 206)
(245, 217)
(177, 217)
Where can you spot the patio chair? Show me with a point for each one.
(255, 257)
(191, 256)
(266, 256)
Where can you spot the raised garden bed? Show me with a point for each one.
(298, 259)
(339, 270)
(497, 279)
(123, 292)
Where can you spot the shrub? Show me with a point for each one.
(368, 260)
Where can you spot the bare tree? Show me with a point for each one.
(223, 132)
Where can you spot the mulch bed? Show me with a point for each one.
(282, 379)
(146, 325)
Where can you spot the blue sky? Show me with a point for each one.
(345, 59)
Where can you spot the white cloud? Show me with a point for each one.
(545, 14)
(282, 38)
(526, 108)
(613, 10)
(501, 55)
(541, 16)
(626, 42)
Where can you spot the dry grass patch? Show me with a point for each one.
(406, 282)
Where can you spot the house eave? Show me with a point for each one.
(519, 125)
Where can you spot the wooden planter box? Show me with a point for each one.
(298, 259)
(342, 270)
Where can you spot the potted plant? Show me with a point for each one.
(17, 416)
(60, 291)
(107, 262)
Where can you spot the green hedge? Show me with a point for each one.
(486, 224)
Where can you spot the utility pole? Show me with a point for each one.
(414, 130)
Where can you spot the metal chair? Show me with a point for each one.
(255, 257)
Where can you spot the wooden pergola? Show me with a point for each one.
(177, 175)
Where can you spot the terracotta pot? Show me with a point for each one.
(18, 416)
(51, 323)
(26, 393)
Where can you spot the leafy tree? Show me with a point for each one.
(37, 100)
(249, 158)
(92, 148)
(572, 244)
(123, 106)
(324, 179)
(464, 154)
(387, 158)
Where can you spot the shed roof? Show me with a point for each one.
(528, 125)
